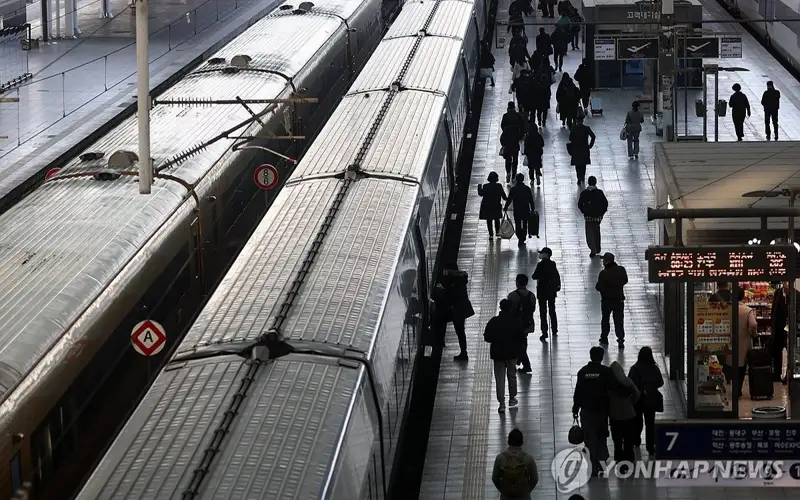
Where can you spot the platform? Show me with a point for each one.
(467, 432)
(58, 111)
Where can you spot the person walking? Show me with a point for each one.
(610, 284)
(514, 473)
(567, 98)
(560, 39)
(595, 382)
(525, 87)
(780, 322)
(544, 45)
(487, 63)
(576, 20)
(522, 197)
(523, 306)
(491, 209)
(740, 107)
(633, 127)
(548, 284)
(584, 75)
(544, 81)
(452, 304)
(534, 150)
(748, 330)
(647, 377)
(581, 141)
(517, 11)
(593, 204)
(551, 8)
(513, 131)
(771, 101)
(506, 337)
(622, 416)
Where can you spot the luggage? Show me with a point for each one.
(506, 230)
(533, 224)
(759, 374)
(623, 134)
(597, 106)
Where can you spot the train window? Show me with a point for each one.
(16, 474)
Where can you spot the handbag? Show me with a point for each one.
(480, 189)
(506, 230)
(654, 401)
(623, 134)
(575, 434)
(469, 311)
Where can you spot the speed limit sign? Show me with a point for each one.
(266, 177)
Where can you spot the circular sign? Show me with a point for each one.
(148, 338)
(266, 177)
(50, 173)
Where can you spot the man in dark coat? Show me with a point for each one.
(544, 82)
(451, 301)
(581, 141)
(740, 107)
(491, 210)
(593, 204)
(513, 131)
(560, 42)
(522, 198)
(543, 43)
(584, 75)
(548, 284)
(505, 334)
(523, 305)
(525, 87)
(534, 149)
(518, 51)
(771, 100)
(610, 284)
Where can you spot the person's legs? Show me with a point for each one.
(589, 228)
(639, 423)
(595, 432)
(500, 380)
(514, 164)
(551, 302)
(581, 173)
(775, 123)
(508, 167)
(497, 225)
(767, 118)
(738, 125)
(635, 143)
(650, 431)
(618, 438)
(619, 321)
(489, 227)
(511, 375)
(543, 314)
(596, 234)
(523, 357)
(742, 372)
(605, 321)
(630, 145)
(521, 230)
(776, 351)
(629, 435)
(461, 333)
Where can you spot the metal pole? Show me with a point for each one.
(790, 345)
(667, 66)
(69, 19)
(45, 20)
(716, 106)
(58, 19)
(143, 97)
(705, 105)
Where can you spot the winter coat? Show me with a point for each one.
(505, 334)
(610, 283)
(581, 140)
(518, 51)
(595, 382)
(740, 106)
(568, 98)
(648, 380)
(534, 147)
(544, 44)
(585, 77)
(525, 88)
(633, 122)
(513, 127)
(548, 279)
(771, 100)
(491, 207)
(452, 302)
(522, 198)
(593, 203)
(560, 41)
(487, 59)
(622, 407)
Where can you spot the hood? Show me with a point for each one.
(619, 372)
(591, 188)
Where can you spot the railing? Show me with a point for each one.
(71, 90)
(13, 59)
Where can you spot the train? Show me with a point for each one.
(85, 258)
(294, 381)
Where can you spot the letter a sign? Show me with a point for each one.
(148, 338)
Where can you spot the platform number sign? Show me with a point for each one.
(266, 177)
(148, 338)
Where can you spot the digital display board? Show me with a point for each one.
(731, 263)
(731, 440)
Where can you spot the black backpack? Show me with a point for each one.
(525, 309)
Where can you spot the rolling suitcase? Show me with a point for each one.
(533, 224)
(597, 106)
(759, 374)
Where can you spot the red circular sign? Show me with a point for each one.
(266, 177)
(50, 173)
(148, 337)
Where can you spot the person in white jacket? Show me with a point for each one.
(622, 413)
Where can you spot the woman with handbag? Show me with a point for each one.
(452, 304)
(648, 379)
(491, 210)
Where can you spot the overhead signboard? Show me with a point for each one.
(732, 263)
(709, 440)
(730, 47)
(637, 48)
(605, 49)
(698, 48)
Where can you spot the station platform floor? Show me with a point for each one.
(466, 431)
(80, 85)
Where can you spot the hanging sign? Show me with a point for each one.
(605, 49)
(730, 47)
(698, 48)
(637, 48)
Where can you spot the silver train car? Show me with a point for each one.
(294, 381)
(84, 258)
(783, 37)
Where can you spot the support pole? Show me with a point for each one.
(716, 106)
(69, 26)
(45, 20)
(666, 69)
(792, 337)
(143, 98)
(58, 19)
(705, 105)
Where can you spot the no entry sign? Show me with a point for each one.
(148, 338)
(266, 177)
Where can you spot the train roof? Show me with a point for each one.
(63, 246)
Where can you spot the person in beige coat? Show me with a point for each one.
(748, 330)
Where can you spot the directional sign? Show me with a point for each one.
(730, 47)
(637, 48)
(148, 338)
(50, 173)
(698, 48)
(266, 177)
(604, 49)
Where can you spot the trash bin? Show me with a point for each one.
(769, 412)
(699, 108)
(722, 107)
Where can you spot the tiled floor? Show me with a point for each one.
(467, 432)
(59, 107)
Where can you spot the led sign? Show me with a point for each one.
(732, 263)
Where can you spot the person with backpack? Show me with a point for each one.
(543, 43)
(506, 336)
(584, 75)
(544, 81)
(518, 51)
(514, 473)
(534, 149)
(523, 306)
(522, 197)
(593, 204)
(513, 130)
(548, 284)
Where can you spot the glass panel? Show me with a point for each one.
(633, 74)
(713, 348)
(16, 474)
(608, 74)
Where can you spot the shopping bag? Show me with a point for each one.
(623, 134)
(506, 229)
